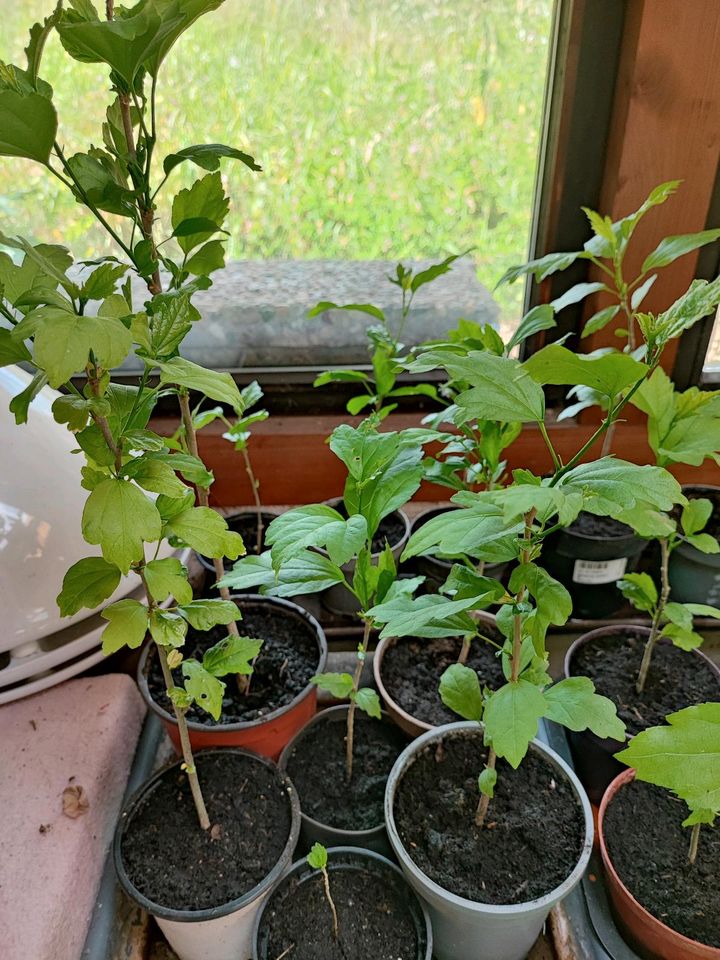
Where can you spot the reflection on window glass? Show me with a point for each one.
(712, 357)
(387, 129)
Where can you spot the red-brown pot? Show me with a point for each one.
(654, 939)
(267, 735)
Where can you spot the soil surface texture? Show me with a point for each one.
(411, 671)
(532, 837)
(676, 679)
(589, 525)
(649, 849)
(316, 766)
(373, 918)
(246, 526)
(175, 863)
(288, 658)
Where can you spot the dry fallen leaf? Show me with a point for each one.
(75, 801)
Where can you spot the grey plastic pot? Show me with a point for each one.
(435, 569)
(465, 929)
(350, 858)
(216, 933)
(695, 576)
(337, 598)
(314, 831)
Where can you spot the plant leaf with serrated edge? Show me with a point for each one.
(207, 532)
(511, 718)
(185, 373)
(208, 156)
(340, 685)
(204, 614)
(167, 629)
(368, 701)
(574, 704)
(168, 578)
(127, 627)
(120, 518)
(205, 689)
(86, 584)
(232, 655)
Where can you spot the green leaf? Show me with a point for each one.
(191, 468)
(432, 272)
(339, 376)
(86, 584)
(641, 292)
(210, 257)
(368, 701)
(155, 476)
(574, 704)
(554, 603)
(640, 590)
(339, 685)
(429, 615)
(170, 322)
(103, 282)
(611, 486)
(542, 267)
(695, 515)
(205, 200)
(511, 719)
(232, 655)
(704, 542)
(539, 318)
(207, 532)
(317, 858)
(309, 572)
(127, 627)
(577, 293)
(599, 320)
(609, 373)
(28, 125)
(185, 373)
(208, 156)
(480, 531)
(460, 691)
(11, 351)
(697, 302)
(63, 342)
(670, 248)
(39, 34)
(168, 578)
(20, 403)
(353, 307)
(487, 782)
(205, 614)
(205, 689)
(95, 183)
(167, 629)
(683, 757)
(501, 389)
(120, 518)
(316, 525)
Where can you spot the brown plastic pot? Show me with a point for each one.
(267, 735)
(593, 757)
(653, 939)
(409, 724)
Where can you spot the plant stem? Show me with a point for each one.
(657, 616)
(548, 443)
(328, 895)
(465, 649)
(256, 496)
(608, 440)
(694, 839)
(484, 802)
(350, 737)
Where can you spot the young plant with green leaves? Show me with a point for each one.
(682, 756)
(511, 524)
(385, 346)
(318, 860)
(606, 250)
(73, 323)
(309, 546)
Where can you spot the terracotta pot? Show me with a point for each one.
(654, 939)
(406, 721)
(267, 735)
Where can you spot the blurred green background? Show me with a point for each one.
(385, 129)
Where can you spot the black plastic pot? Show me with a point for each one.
(589, 566)
(694, 575)
(435, 569)
(349, 858)
(239, 522)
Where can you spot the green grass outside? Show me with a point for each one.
(386, 129)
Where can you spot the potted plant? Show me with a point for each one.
(443, 785)
(72, 326)
(592, 554)
(330, 885)
(643, 835)
(340, 765)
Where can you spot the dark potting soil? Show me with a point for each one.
(532, 837)
(317, 768)
(175, 863)
(649, 849)
(676, 678)
(411, 671)
(373, 919)
(603, 528)
(287, 660)
(246, 526)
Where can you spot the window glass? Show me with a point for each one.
(387, 129)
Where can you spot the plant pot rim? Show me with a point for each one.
(496, 910)
(613, 788)
(381, 649)
(206, 562)
(355, 852)
(208, 913)
(594, 538)
(321, 716)
(239, 598)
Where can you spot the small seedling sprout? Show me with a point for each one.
(318, 860)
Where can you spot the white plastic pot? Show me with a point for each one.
(465, 929)
(224, 932)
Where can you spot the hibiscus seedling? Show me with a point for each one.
(682, 756)
(318, 860)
